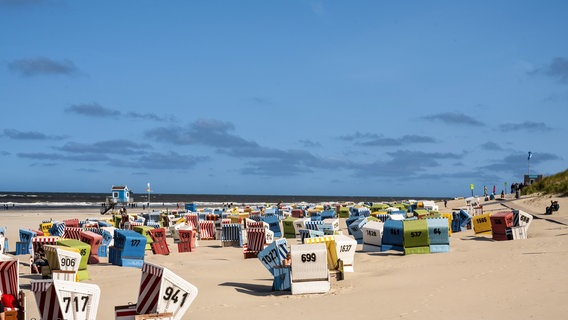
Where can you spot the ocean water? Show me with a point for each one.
(72, 199)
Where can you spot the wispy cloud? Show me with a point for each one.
(42, 66)
(162, 161)
(28, 135)
(309, 143)
(525, 126)
(211, 133)
(371, 139)
(96, 110)
(4, 153)
(454, 118)
(118, 146)
(557, 69)
(150, 116)
(92, 110)
(404, 163)
(491, 146)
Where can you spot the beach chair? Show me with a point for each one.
(59, 299)
(256, 239)
(187, 240)
(274, 225)
(162, 291)
(128, 250)
(501, 224)
(159, 244)
(63, 262)
(372, 236)
(346, 248)
(393, 237)
(438, 232)
(231, 235)
(415, 236)
(273, 257)
(482, 223)
(310, 272)
(10, 285)
(94, 240)
(206, 230)
(355, 228)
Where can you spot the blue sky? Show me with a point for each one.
(363, 98)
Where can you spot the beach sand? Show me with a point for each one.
(478, 279)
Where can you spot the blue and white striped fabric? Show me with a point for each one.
(304, 233)
(313, 225)
(232, 232)
(274, 225)
(57, 229)
(153, 224)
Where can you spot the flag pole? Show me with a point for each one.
(529, 164)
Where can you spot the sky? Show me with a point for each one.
(347, 98)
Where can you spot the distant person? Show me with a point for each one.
(39, 261)
(502, 194)
(494, 189)
(445, 203)
(124, 218)
(485, 191)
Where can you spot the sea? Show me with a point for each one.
(53, 200)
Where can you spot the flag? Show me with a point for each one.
(530, 155)
(148, 189)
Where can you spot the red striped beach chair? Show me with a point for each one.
(10, 284)
(58, 299)
(162, 291)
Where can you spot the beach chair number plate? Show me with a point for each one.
(269, 258)
(308, 257)
(64, 262)
(173, 294)
(77, 303)
(175, 299)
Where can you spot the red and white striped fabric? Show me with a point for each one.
(192, 220)
(225, 221)
(207, 230)
(72, 233)
(9, 280)
(127, 312)
(46, 299)
(254, 224)
(133, 224)
(256, 237)
(50, 293)
(38, 242)
(149, 288)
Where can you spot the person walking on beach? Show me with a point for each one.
(123, 218)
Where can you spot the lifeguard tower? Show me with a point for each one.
(120, 195)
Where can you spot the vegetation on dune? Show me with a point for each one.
(555, 184)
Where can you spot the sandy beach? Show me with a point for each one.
(478, 279)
